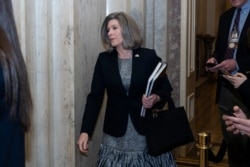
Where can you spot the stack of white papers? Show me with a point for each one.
(157, 71)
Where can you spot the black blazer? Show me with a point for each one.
(243, 51)
(120, 103)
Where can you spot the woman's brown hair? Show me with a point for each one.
(16, 85)
(131, 34)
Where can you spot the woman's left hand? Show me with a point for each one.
(148, 102)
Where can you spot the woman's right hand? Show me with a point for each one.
(83, 143)
(148, 102)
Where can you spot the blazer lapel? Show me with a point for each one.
(136, 72)
(114, 72)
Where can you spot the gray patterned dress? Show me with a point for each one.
(129, 150)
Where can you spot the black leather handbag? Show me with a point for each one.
(167, 129)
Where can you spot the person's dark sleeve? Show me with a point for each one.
(94, 101)
(244, 90)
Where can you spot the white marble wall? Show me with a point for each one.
(88, 19)
(60, 40)
(47, 39)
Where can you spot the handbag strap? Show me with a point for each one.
(170, 102)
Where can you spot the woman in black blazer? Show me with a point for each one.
(122, 71)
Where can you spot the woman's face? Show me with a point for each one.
(114, 33)
(237, 3)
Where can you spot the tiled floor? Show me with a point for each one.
(206, 120)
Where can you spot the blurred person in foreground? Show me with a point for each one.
(239, 123)
(15, 97)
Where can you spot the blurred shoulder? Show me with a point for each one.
(146, 50)
(228, 12)
(107, 54)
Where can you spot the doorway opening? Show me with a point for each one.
(206, 116)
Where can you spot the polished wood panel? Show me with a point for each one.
(206, 119)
